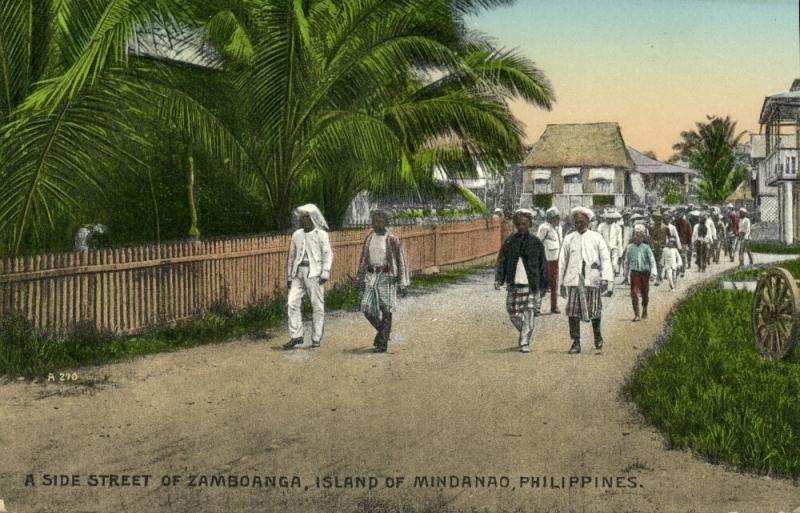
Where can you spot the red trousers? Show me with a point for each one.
(640, 284)
(552, 282)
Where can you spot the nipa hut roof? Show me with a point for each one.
(580, 145)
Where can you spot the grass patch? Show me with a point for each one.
(708, 389)
(775, 248)
(24, 352)
(754, 273)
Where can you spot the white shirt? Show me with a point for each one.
(551, 237)
(316, 246)
(520, 276)
(377, 250)
(589, 248)
(712, 229)
(744, 228)
(612, 234)
(673, 232)
(671, 259)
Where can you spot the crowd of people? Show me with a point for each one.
(581, 259)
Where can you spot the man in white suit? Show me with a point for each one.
(585, 272)
(551, 235)
(309, 267)
(612, 234)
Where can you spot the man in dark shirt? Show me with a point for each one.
(521, 266)
(685, 235)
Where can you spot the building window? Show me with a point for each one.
(604, 187)
(573, 184)
(542, 187)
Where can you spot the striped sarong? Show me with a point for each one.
(584, 302)
(521, 299)
(378, 293)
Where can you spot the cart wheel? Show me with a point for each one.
(775, 313)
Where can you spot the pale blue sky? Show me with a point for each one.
(653, 66)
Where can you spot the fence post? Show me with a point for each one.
(435, 232)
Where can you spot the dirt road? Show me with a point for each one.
(452, 398)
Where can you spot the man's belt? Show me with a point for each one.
(378, 269)
(303, 264)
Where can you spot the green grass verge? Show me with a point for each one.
(708, 389)
(774, 247)
(23, 352)
(754, 273)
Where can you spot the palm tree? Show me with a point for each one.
(71, 102)
(345, 96)
(330, 97)
(709, 150)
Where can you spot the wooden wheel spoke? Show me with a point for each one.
(775, 313)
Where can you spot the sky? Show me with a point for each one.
(654, 66)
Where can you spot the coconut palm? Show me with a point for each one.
(341, 99)
(331, 97)
(709, 150)
(71, 103)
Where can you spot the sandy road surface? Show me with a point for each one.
(452, 397)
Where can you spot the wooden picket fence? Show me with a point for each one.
(126, 290)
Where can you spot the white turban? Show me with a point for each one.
(639, 228)
(582, 210)
(552, 212)
(316, 216)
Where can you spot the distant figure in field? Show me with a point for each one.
(309, 267)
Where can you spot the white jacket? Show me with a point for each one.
(671, 259)
(673, 232)
(320, 256)
(612, 234)
(583, 247)
(551, 238)
(712, 230)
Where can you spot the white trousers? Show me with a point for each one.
(302, 284)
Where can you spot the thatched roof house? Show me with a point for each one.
(580, 145)
(578, 164)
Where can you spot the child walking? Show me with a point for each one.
(671, 262)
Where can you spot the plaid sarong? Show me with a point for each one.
(521, 298)
(584, 302)
(378, 293)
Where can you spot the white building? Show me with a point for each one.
(778, 167)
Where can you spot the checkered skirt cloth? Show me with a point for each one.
(379, 292)
(584, 302)
(521, 299)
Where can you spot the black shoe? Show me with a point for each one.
(576, 347)
(315, 343)
(537, 314)
(555, 310)
(644, 313)
(293, 342)
(379, 349)
(598, 344)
